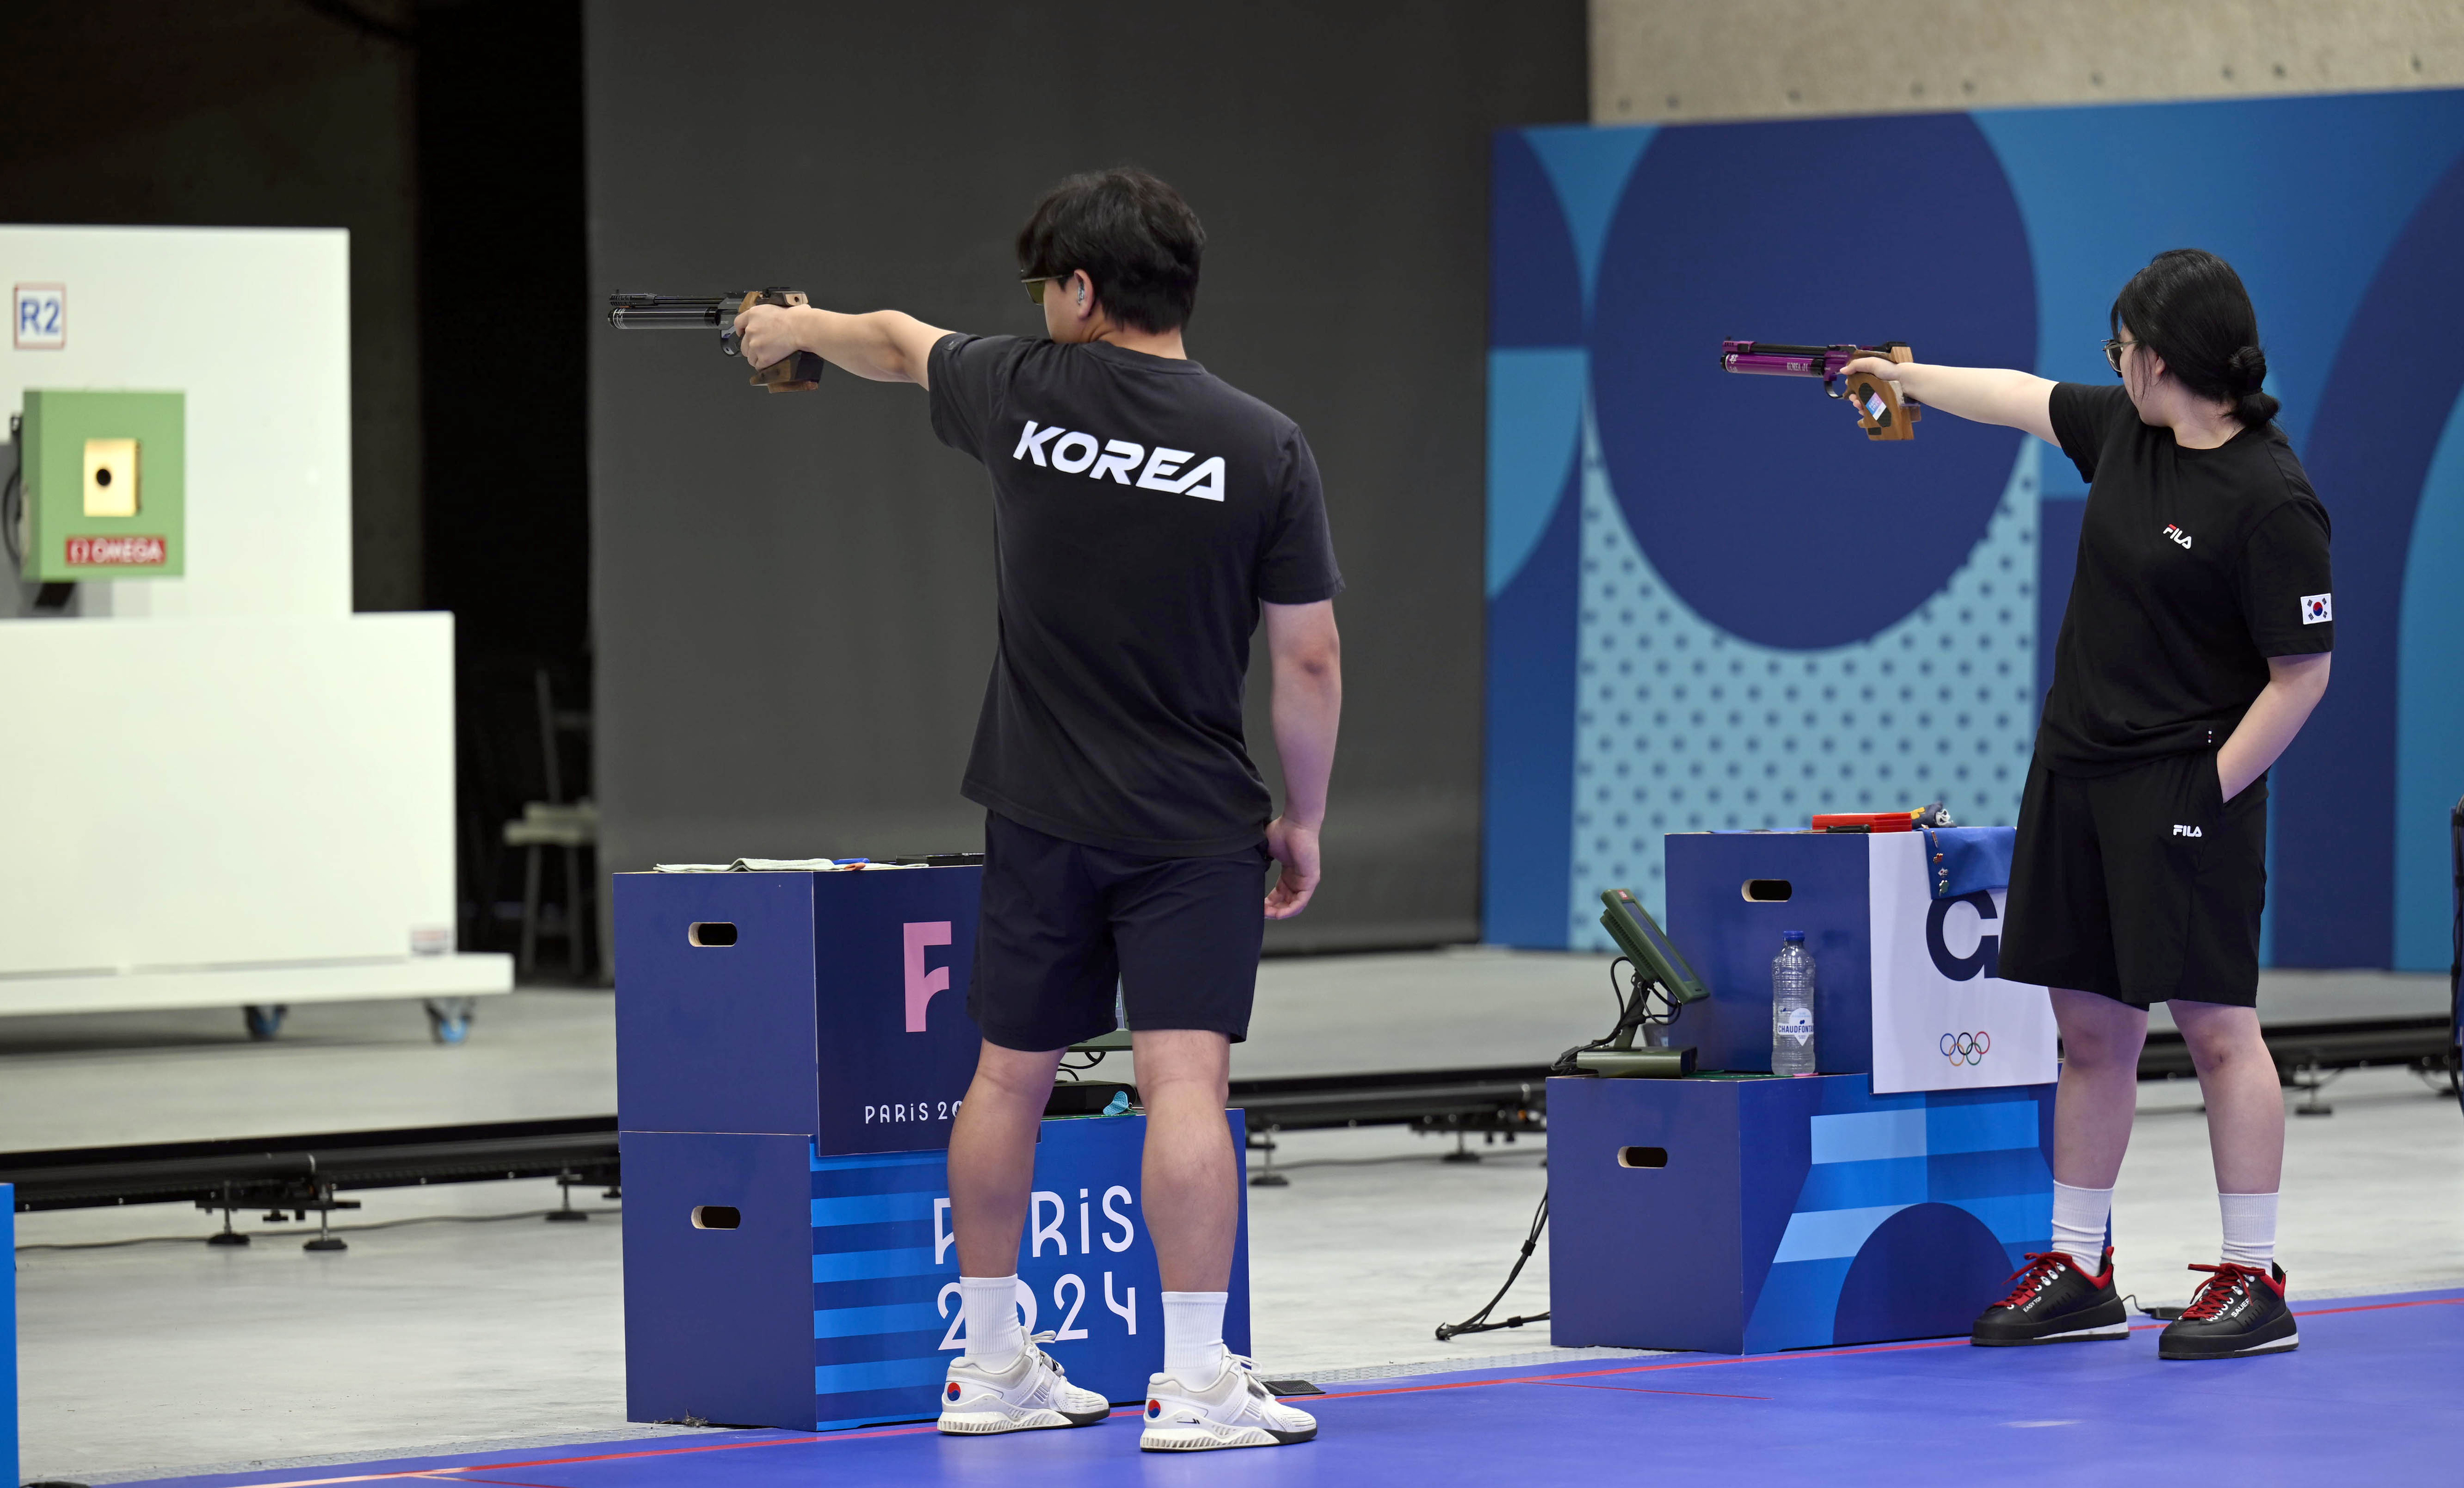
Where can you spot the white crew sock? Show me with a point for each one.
(2250, 1227)
(2080, 1216)
(1193, 1337)
(995, 1336)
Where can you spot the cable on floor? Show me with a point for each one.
(1478, 1322)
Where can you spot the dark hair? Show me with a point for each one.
(1132, 235)
(2188, 307)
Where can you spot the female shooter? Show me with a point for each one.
(2195, 644)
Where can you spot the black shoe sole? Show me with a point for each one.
(2077, 1328)
(2234, 1349)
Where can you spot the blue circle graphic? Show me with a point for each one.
(1758, 500)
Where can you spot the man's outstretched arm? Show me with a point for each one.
(1308, 656)
(885, 346)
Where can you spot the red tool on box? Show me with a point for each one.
(1883, 821)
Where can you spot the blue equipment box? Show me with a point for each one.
(9, 1340)
(1746, 1214)
(1907, 989)
(1730, 939)
(828, 1005)
(834, 1301)
(790, 1050)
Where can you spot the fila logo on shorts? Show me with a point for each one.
(1074, 453)
(2177, 535)
(2317, 609)
(2187, 832)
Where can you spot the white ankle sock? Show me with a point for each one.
(2080, 1216)
(1193, 1337)
(994, 1337)
(2250, 1227)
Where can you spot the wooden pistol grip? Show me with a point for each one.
(1893, 420)
(798, 374)
(1896, 417)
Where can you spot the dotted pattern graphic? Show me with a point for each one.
(1682, 726)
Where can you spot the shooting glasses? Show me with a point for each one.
(1035, 283)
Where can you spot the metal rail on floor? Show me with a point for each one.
(305, 1172)
(2418, 1043)
(302, 1173)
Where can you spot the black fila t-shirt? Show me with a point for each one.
(2194, 568)
(1142, 509)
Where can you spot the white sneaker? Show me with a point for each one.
(1032, 1393)
(1236, 1411)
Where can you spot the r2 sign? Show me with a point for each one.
(39, 318)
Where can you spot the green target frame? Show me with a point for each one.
(105, 484)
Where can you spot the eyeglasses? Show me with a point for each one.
(1035, 283)
(2113, 350)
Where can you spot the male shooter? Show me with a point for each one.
(1144, 512)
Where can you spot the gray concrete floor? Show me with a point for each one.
(186, 1075)
(144, 1358)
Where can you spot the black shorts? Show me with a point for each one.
(2142, 886)
(1063, 924)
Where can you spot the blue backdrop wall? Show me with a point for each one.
(1712, 604)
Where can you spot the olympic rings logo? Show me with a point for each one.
(1966, 1047)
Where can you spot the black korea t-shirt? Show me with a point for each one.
(1142, 509)
(2194, 568)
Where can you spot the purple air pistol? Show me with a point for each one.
(1882, 411)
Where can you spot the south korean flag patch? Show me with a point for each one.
(2317, 609)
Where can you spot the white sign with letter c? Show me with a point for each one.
(1944, 1019)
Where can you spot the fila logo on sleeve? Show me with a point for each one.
(1076, 454)
(2317, 609)
(2180, 831)
(2177, 535)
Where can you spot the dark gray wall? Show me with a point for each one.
(792, 594)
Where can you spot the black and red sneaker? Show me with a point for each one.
(2239, 1310)
(2053, 1301)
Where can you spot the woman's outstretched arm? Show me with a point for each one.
(1986, 395)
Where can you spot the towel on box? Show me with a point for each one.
(1959, 860)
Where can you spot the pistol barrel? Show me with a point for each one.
(1772, 359)
(671, 312)
(1775, 359)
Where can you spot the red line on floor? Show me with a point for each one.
(2419, 1301)
(1639, 1390)
(1651, 1369)
(1811, 1353)
(463, 1473)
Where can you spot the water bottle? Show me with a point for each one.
(1792, 1007)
